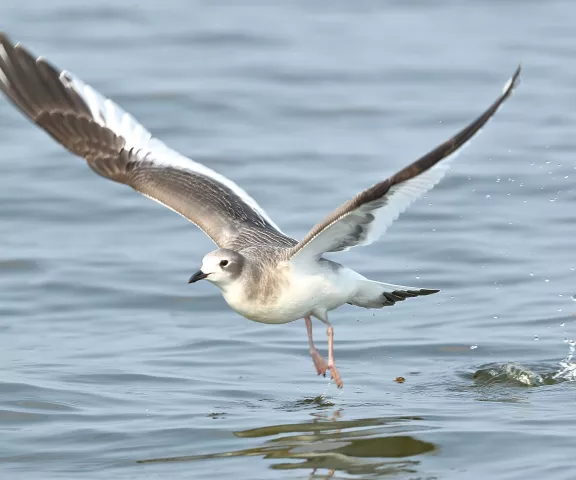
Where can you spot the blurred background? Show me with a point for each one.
(109, 358)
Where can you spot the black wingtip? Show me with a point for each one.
(4, 38)
(428, 291)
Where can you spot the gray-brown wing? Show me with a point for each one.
(366, 217)
(117, 147)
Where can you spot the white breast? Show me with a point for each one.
(317, 287)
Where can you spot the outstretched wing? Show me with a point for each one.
(366, 217)
(117, 147)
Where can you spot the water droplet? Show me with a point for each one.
(487, 196)
(531, 274)
(495, 317)
(547, 280)
(473, 347)
(573, 297)
(562, 324)
(536, 338)
(417, 277)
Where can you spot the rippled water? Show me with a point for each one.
(114, 367)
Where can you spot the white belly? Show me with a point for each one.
(305, 292)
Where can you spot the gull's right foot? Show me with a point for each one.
(319, 362)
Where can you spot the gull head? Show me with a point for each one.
(220, 267)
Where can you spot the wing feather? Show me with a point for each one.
(118, 147)
(363, 219)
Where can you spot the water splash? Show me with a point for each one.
(521, 375)
(508, 373)
(567, 366)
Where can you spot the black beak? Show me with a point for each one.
(199, 275)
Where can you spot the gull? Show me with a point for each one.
(264, 275)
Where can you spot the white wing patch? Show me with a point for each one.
(400, 197)
(397, 200)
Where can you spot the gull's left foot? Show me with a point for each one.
(336, 375)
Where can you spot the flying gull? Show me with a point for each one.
(264, 275)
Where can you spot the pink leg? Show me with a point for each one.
(319, 362)
(331, 364)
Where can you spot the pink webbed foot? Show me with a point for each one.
(319, 362)
(336, 375)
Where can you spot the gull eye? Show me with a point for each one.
(223, 263)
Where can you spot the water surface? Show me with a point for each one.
(114, 367)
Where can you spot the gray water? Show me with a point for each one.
(113, 367)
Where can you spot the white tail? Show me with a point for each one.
(371, 294)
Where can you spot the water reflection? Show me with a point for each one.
(327, 444)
